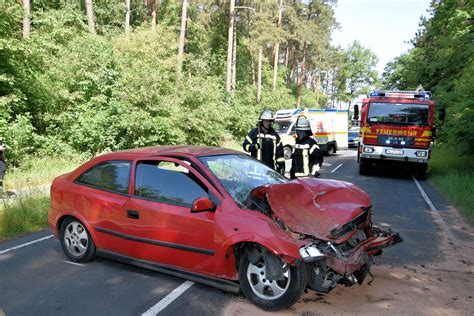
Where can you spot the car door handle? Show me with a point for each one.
(133, 214)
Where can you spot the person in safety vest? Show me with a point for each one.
(306, 159)
(264, 143)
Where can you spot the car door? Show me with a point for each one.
(101, 193)
(159, 218)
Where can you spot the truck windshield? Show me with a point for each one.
(281, 127)
(398, 113)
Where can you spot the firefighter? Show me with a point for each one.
(264, 143)
(3, 165)
(307, 158)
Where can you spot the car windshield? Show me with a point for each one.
(281, 127)
(240, 174)
(398, 113)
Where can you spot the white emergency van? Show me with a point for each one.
(329, 127)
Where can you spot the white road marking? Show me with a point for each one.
(25, 244)
(74, 263)
(433, 209)
(168, 299)
(334, 170)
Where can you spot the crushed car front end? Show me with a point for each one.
(331, 221)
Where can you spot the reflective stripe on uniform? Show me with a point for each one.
(316, 168)
(300, 174)
(266, 136)
(281, 159)
(247, 147)
(249, 139)
(313, 148)
(299, 146)
(305, 161)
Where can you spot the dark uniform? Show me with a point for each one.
(271, 151)
(306, 159)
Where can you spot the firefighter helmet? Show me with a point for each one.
(266, 115)
(302, 124)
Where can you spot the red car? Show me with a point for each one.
(218, 217)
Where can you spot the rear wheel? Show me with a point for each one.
(76, 241)
(266, 293)
(331, 150)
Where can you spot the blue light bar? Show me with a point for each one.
(401, 94)
(376, 94)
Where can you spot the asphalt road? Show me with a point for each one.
(37, 279)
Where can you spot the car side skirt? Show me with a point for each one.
(156, 242)
(225, 285)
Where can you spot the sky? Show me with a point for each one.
(384, 26)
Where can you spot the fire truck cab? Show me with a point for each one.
(396, 128)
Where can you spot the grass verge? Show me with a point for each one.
(453, 175)
(24, 214)
(37, 171)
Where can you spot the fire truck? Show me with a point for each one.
(396, 127)
(329, 127)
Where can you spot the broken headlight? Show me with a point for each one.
(311, 253)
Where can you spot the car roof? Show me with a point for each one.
(178, 150)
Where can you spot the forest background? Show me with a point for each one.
(82, 77)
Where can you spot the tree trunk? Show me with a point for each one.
(287, 55)
(182, 35)
(300, 81)
(26, 18)
(252, 65)
(153, 15)
(318, 83)
(230, 44)
(234, 56)
(292, 67)
(259, 76)
(90, 16)
(127, 19)
(277, 49)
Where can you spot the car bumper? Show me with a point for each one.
(356, 259)
(395, 154)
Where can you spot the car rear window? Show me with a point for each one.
(168, 182)
(112, 175)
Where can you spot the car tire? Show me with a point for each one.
(267, 294)
(76, 241)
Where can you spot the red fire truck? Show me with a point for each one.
(396, 127)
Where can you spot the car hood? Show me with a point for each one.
(316, 207)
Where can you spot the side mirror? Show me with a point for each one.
(203, 204)
(356, 112)
(442, 114)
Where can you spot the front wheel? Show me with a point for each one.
(270, 294)
(76, 240)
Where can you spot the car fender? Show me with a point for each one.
(65, 213)
(226, 264)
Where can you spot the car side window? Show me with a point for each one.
(113, 175)
(168, 182)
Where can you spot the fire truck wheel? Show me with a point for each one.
(363, 169)
(421, 172)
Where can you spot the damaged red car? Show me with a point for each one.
(218, 217)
